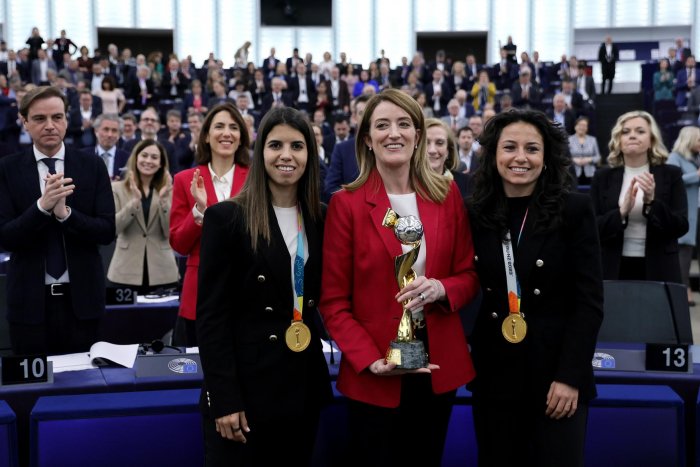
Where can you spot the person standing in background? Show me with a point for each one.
(608, 56)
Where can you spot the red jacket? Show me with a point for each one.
(185, 233)
(359, 285)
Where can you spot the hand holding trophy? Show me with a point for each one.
(406, 351)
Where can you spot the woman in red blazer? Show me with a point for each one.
(397, 416)
(222, 167)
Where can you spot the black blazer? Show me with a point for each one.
(666, 222)
(244, 307)
(23, 230)
(562, 299)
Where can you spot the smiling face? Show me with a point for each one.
(148, 161)
(635, 137)
(392, 136)
(436, 139)
(224, 135)
(285, 154)
(519, 158)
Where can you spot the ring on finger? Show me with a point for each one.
(238, 428)
(421, 296)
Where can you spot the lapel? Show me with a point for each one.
(277, 256)
(29, 168)
(208, 184)
(611, 194)
(375, 196)
(240, 173)
(430, 218)
(529, 247)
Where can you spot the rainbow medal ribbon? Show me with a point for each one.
(514, 327)
(298, 335)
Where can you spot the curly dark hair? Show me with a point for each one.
(488, 202)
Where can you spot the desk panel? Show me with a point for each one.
(114, 430)
(8, 436)
(138, 324)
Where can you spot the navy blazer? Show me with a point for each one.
(23, 230)
(246, 368)
(561, 297)
(666, 222)
(343, 167)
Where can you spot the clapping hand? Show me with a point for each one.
(645, 182)
(165, 192)
(199, 193)
(629, 199)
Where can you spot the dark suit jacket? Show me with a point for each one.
(310, 94)
(682, 85)
(343, 94)
(445, 96)
(75, 126)
(245, 367)
(23, 230)
(343, 167)
(165, 86)
(269, 99)
(133, 92)
(666, 222)
(569, 119)
(269, 66)
(534, 97)
(562, 298)
(120, 159)
(608, 67)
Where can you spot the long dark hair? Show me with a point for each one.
(255, 196)
(203, 155)
(488, 202)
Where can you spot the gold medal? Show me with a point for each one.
(514, 328)
(298, 336)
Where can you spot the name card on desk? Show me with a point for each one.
(668, 357)
(120, 296)
(25, 369)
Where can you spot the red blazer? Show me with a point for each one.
(358, 288)
(185, 233)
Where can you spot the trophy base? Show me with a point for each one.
(407, 355)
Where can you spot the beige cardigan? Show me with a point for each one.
(136, 237)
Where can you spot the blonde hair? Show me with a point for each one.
(657, 153)
(452, 161)
(687, 138)
(427, 183)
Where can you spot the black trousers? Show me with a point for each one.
(412, 434)
(284, 441)
(633, 269)
(185, 332)
(607, 77)
(60, 333)
(520, 434)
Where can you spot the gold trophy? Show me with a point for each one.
(406, 351)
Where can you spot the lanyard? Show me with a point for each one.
(511, 276)
(299, 270)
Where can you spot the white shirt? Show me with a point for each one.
(636, 232)
(96, 84)
(60, 157)
(287, 221)
(467, 158)
(303, 96)
(222, 188)
(406, 205)
(43, 70)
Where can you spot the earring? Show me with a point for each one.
(545, 167)
(416, 147)
(370, 148)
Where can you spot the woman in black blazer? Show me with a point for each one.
(265, 376)
(536, 330)
(640, 204)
